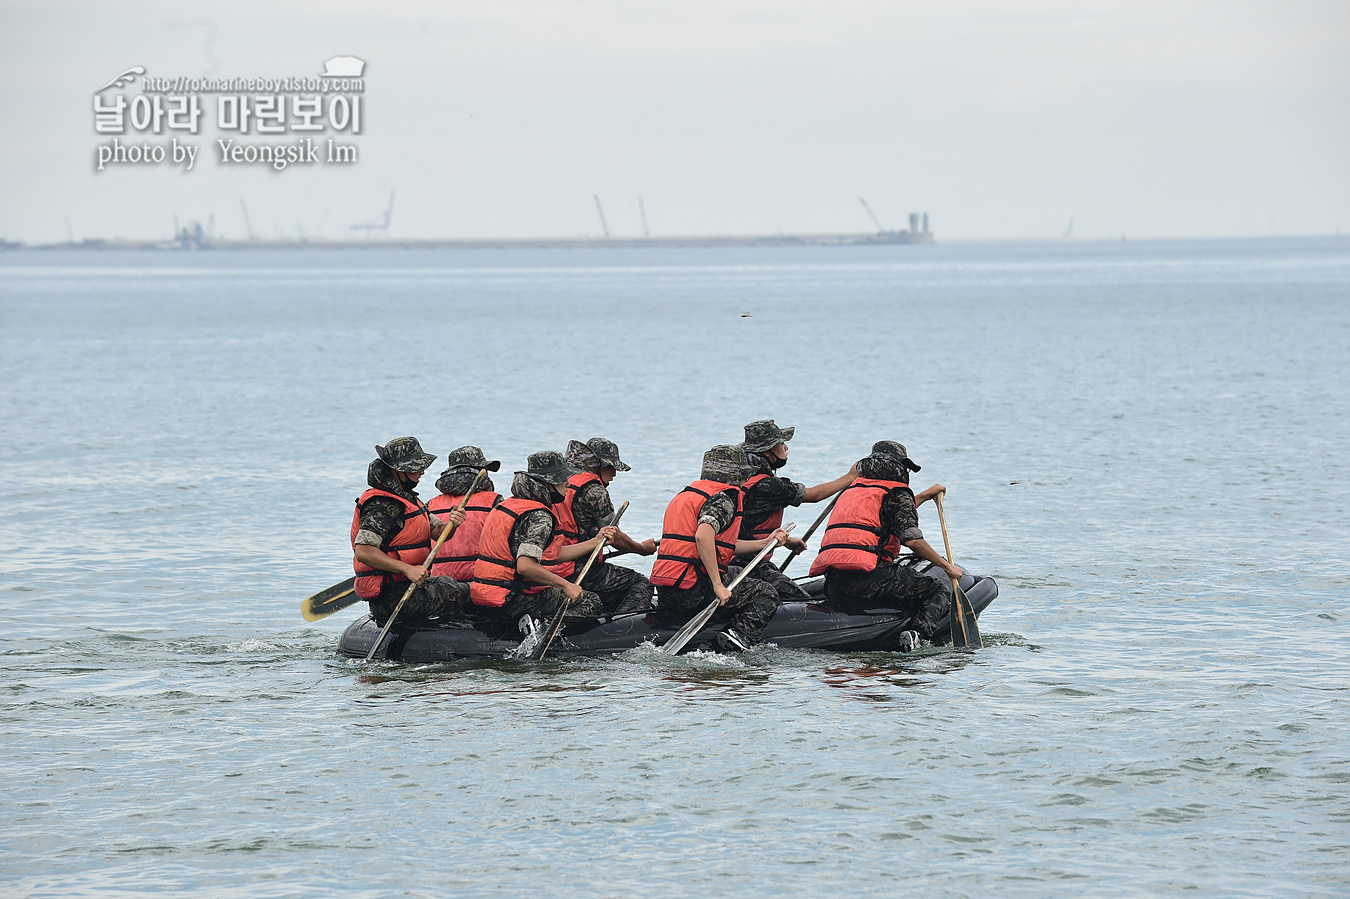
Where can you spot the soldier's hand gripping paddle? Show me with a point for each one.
(334, 599)
(426, 566)
(686, 633)
(556, 624)
(965, 630)
(811, 530)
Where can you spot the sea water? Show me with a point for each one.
(1144, 443)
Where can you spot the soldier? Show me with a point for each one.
(523, 558)
(698, 539)
(457, 555)
(621, 590)
(766, 496)
(392, 532)
(875, 516)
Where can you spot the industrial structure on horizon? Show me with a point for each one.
(193, 236)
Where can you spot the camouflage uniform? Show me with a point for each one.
(895, 585)
(381, 518)
(758, 503)
(529, 537)
(621, 590)
(753, 602)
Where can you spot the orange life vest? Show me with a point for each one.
(457, 554)
(495, 576)
(766, 527)
(412, 543)
(574, 485)
(854, 539)
(677, 564)
(566, 533)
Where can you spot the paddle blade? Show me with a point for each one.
(334, 599)
(686, 633)
(553, 627)
(965, 629)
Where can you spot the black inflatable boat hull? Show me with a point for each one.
(811, 624)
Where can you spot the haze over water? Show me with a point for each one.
(1144, 444)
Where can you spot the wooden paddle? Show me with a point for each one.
(556, 624)
(333, 599)
(812, 529)
(426, 566)
(686, 633)
(965, 630)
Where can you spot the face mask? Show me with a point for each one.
(774, 462)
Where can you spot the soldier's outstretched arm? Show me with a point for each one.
(626, 544)
(928, 494)
(830, 488)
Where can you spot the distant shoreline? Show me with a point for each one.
(539, 243)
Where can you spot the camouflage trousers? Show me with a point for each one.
(621, 590)
(436, 597)
(750, 608)
(786, 588)
(893, 586)
(544, 605)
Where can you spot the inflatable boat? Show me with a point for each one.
(809, 624)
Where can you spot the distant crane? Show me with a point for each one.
(870, 214)
(1068, 232)
(381, 224)
(643, 211)
(600, 209)
(247, 225)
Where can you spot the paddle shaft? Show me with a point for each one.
(958, 610)
(759, 557)
(684, 634)
(599, 547)
(556, 624)
(946, 541)
(812, 529)
(426, 565)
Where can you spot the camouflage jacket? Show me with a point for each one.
(767, 497)
(532, 531)
(718, 510)
(593, 509)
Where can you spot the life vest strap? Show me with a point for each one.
(442, 559)
(879, 531)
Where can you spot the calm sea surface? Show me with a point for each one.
(1145, 443)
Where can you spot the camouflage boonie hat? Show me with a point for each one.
(469, 457)
(762, 436)
(579, 455)
(727, 465)
(594, 455)
(405, 454)
(608, 451)
(549, 467)
(897, 450)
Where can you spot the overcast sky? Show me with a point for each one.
(1001, 120)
